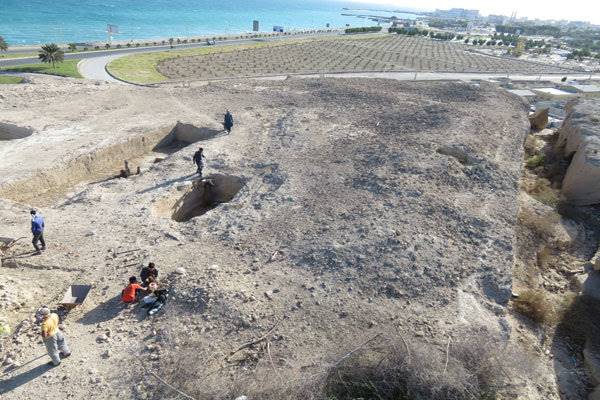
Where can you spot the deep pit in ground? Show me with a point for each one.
(205, 195)
(46, 186)
(12, 132)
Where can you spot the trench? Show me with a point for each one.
(12, 132)
(44, 187)
(205, 195)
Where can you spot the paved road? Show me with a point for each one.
(95, 68)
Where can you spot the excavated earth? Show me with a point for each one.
(335, 210)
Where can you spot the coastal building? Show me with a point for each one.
(497, 19)
(457, 13)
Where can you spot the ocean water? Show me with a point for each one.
(62, 21)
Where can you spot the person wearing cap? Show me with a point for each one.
(53, 338)
(37, 229)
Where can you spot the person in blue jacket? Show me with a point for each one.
(37, 229)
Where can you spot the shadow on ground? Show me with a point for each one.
(106, 311)
(23, 378)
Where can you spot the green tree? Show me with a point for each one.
(72, 46)
(51, 54)
(3, 44)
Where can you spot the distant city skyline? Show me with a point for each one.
(575, 10)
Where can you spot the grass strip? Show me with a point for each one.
(9, 79)
(68, 68)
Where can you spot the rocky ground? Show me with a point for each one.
(366, 208)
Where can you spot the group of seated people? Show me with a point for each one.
(147, 291)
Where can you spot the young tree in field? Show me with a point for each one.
(51, 54)
(3, 44)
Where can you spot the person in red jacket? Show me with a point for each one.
(132, 291)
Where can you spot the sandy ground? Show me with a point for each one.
(366, 207)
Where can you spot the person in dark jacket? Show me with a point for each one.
(228, 123)
(149, 274)
(198, 156)
(37, 229)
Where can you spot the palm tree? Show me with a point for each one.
(3, 44)
(51, 54)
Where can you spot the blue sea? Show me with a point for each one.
(42, 21)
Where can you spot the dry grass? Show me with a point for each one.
(535, 305)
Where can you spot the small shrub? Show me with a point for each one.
(543, 192)
(534, 304)
(535, 161)
(363, 29)
(530, 145)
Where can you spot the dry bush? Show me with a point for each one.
(542, 224)
(530, 145)
(545, 257)
(542, 191)
(474, 368)
(535, 305)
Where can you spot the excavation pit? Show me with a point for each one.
(182, 135)
(12, 132)
(205, 195)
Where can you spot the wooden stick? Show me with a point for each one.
(260, 339)
(187, 396)
(447, 354)
(407, 348)
(271, 358)
(355, 350)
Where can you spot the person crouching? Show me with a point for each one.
(132, 292)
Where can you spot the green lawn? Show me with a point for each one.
(8, 79)
(141, 68)
(66, 68)
(4, 56)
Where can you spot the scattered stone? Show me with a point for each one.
(103, 338)
(180, 271)
(269, 295)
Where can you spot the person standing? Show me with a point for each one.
(53, 338)
(198, 156)
(228, 123)
(37, 229)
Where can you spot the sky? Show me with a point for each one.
(574, 10)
